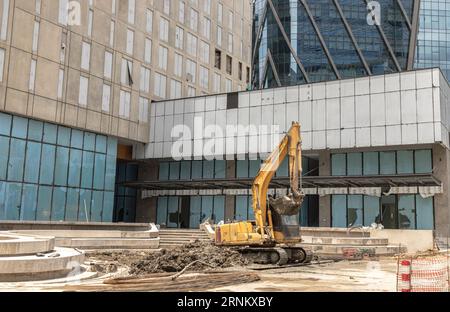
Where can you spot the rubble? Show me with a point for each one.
(175, 260)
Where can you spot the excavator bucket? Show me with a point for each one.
(285, 219)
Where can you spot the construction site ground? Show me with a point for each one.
(110, 271)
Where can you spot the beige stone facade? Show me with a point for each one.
(56, 70)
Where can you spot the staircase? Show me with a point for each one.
(171, 238)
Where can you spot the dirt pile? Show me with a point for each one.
(175, 260)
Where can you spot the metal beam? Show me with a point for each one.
(321, 39)
(386, 43)
(413, 37)
(258, 34)
(405, 15)
(286, 39)
(269, 60)
(352, 37)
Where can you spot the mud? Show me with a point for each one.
(175, 260)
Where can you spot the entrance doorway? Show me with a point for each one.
(389, 214)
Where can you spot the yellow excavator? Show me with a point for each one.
(274, 237)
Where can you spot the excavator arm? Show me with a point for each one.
(289, 205)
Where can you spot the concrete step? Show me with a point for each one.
(347, 241)
(90, 233)
(108, 243)
(333, 232)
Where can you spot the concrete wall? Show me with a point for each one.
(415, 240)
(386, 110)
(441, 169)
(44, 103)
(325, 201)
(146, 208)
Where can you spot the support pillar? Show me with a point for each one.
(325, 201)
(441, 167)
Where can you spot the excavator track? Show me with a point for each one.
(277, 255)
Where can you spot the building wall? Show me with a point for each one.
(385, 110)
(35, 41)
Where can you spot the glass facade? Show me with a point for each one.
(125, 199)
(433, 42)
(394, 211)
(343, 28)
(53, 173)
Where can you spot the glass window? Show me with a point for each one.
(20, 127)
(185, 172)
(72, 204)
(108, 207)
(255, 166)
(283, 170)
(99, 171)
(355, 210)
(50, 132)
(161, 211)
(174, 171)
(77, 139)
(371, 210)
(208, 169)
(251, 213)
(425, 213)
(354, 164)
(2, 199)
(387, 163)
(242, 168)
(338, 165)
(32, 162)
(87, 170)
(219, 209)
(59, 203)
(35, 130)
(172, 212)
(29, 202)
(89, 141)
(112, 146)
(13, 201)
(195, 212)
(96, 206)
(75, 167)
(406, 212)
(405, 162)
(43, 206)
(197, 169)
(84, 208)
(47, 166)
(63, 136)
(423, 161)
(5, 124)
(207, 207)
(220, 169)
(62, 163)
(110, 173)
(241, 208)
(371, 163)
(339, 210)
(4, 151)
(16, 160)
(164, 171)
(100, 145)
(304, 212)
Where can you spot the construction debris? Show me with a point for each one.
(204, 254)
(165, 283)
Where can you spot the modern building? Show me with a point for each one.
(304, 41)
(76, 82)
(376, 149)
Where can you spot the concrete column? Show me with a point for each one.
(324, 201)
(230, 202)
(441, 167)
(146, 208)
